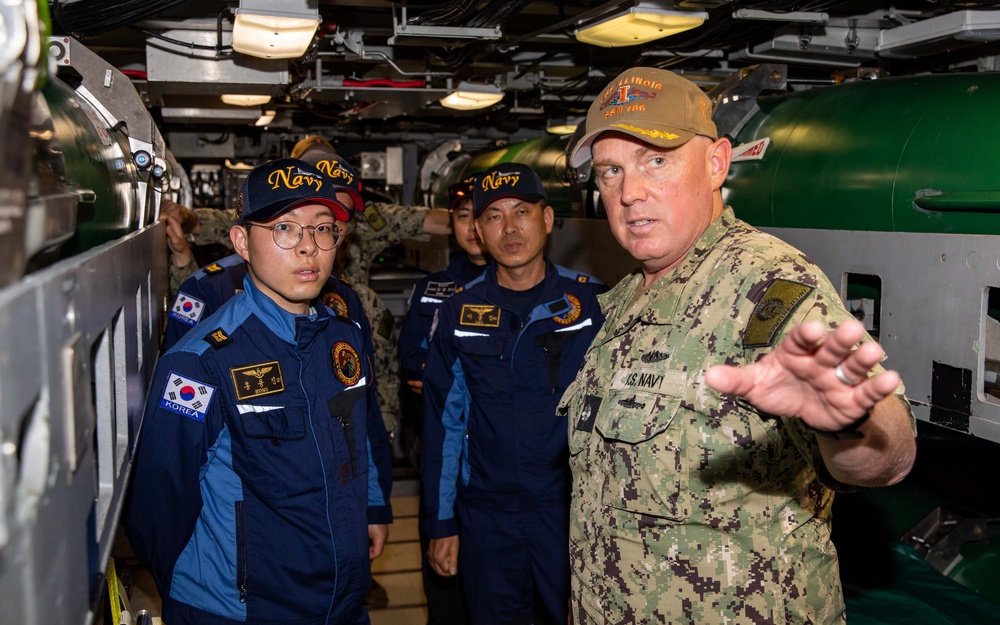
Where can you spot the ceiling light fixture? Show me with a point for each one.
(563, 126)
(245, 99)
(638, 24)
(275, 29)
(266, 118)
(470, 96)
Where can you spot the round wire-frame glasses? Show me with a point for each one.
(288, 234)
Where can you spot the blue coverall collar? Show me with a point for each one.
(283, 323)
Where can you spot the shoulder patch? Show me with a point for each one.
(217, 338)
(385, 325)
(772, 311)
(572, 314)
(187, 396)
(482, 315)
(213, 268)
(256, 380)
(335, 302)
(374, 218)
(346, 363)
(187, 309)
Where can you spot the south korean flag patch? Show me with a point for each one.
(187, 309)
(187, 396)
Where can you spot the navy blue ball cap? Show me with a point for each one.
(282, 184)
(460, 191)
(340, 173)
(506, 180)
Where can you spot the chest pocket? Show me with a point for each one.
(277, 425)
(271, 451)
(477, 347)
(640, 445)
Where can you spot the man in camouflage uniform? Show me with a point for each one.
(383, 225)
(704, 495)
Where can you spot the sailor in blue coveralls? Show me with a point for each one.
(465, 266)
(261, 482)
(495, 466)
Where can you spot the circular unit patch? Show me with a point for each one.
(346, 363)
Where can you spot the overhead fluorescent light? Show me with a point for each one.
(274, 29)
(245, 99)
(266, 118)
(638, 24)
(469, 97)
(562, 129)
(563, 126)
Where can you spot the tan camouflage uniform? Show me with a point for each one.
(386, 354)
(689, 506)
(179, 274)
(383, 225)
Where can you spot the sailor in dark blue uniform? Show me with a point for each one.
(495, 466)
(262, 480)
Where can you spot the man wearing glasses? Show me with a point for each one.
(262, 476)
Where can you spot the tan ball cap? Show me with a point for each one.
(654, 105)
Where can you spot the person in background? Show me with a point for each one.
(494, 464)
(464, 266)
(260, 490)
(445, 604)
(726, 398)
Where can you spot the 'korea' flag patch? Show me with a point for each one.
(187, 309)
(186, 396)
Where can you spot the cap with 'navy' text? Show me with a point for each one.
(506, 180)
(340, 173)
(282, 184)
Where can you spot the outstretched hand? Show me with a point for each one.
(799, 378)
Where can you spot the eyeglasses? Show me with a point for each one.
(288, 234)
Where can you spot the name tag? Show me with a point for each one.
(652, 380)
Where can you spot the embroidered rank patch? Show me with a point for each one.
(591, 404)
(217, 338)
(213, 268)
(440, 289)
(385, 325)
(482, 315)
(572, 314)
(187, 309)
(771, 312)
(187, 396)
(335, 302)
(346, 363)
(256, 380)
(375, 218)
